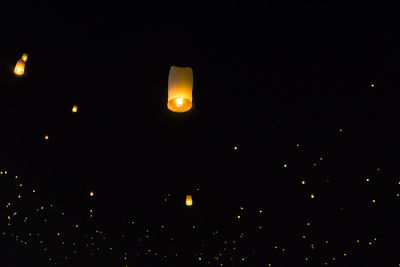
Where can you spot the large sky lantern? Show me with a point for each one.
(20, 66)
(180, 87)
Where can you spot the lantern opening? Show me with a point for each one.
(179, 104)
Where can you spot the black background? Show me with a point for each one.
(266, 77)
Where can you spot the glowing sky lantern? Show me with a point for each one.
(189, 201)
(20, 66)
(75, 108)
(180, 87)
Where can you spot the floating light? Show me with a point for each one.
(75, 108)
(180, 87)
(189, 201)
(20, 68)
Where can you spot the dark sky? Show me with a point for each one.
(266, 77)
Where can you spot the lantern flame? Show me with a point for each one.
(179, 102)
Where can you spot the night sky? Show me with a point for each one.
(290, 151)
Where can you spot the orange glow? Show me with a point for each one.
(180, 86)
(75, 108)
(91, 193)
(20, 68)
(189, 201)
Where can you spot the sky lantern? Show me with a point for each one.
(75, 108)
(189, 201)
(20, 66)
(180, 87)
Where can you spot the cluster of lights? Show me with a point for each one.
(178, 104)
(229, 248)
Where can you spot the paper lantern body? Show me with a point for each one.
(189, 201)
(180, 87)
(75, 108)
(20, 67)
(24, 57)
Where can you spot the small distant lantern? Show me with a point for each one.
(180, 87)
(20, 66)
(46, 137)
(75, 108)
(91, 193)
(189, 201)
